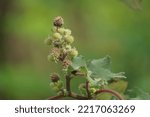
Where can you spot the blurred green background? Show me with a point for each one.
(100, 27)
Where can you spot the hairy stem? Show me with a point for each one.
(114, 93)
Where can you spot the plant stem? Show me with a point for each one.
(68, 88)
(75, 96)
(55, 97)
(87, 89)
(72, 95)
(114, 93)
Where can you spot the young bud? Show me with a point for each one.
(60, 84)
(66, 63)
(67, 32)
(69, 39)
(51, 84)
(61, 31)
(68, 47)
(58, 21)
(55, 88)
(73, 53)
(92, 90)
(57, 36)
(48, 41)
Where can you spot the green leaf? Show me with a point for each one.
(78, 62)
(140, 95)
(119, 86)
(100, 69)
(93, 82)
(103, 96)
(102, 62)
(143, 95)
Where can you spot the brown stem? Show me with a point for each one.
(87, 89)
(56, 97)
(68, 88)
(72, 95)
(114, 93)
(79, 97)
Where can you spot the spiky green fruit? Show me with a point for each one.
(61, 31)
(67, 32)
(57, 36)
(73, 52)
(69, 39)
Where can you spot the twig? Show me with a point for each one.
(114, 93)
(79, 97)
(56, 97)
(72, 95)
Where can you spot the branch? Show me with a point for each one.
(87, 89)
(68, 88)
(56, 97)
(79, 97)
(72, 95)
(114, 93)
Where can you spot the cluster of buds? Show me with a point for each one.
(61, 41)
(56, 83)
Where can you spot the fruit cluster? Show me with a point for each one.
(61, 51)
(61, 41)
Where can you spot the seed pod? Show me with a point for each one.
(54, 77)
(58, 21)
(67, 32)
(56, 52)
(61, 31)
(69, 39)
(66, 63)
(57, 36)
(68, 47)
